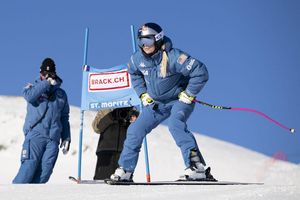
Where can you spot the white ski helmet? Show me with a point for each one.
(149, 34)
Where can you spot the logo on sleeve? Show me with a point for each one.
(24, 153)
(142, 64)
(182, 58)
(190, 65)
(145, 72)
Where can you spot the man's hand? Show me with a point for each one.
(51, 80)
(65, 145)
(185, 98)
(146, 99)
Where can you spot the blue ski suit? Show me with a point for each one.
(183, 73)
(46, 123)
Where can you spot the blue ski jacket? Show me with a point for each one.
(47, 110)
(183, 73)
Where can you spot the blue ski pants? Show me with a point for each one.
(38, 158)
(150, 117)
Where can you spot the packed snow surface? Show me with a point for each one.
(229, 162)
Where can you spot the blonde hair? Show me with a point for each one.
(164, 62)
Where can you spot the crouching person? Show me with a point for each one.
(167, 81)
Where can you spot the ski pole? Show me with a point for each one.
(292, 130)
(148, 176)
(82, 111)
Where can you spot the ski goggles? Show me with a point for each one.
(146, 41)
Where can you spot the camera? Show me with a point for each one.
(122, 114)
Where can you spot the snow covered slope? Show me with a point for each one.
(229, 162)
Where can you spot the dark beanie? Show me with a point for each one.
(48, 66)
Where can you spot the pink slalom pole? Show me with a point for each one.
(265, 116)
(292, 130)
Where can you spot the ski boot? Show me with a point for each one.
(196, 171)
(121, 175)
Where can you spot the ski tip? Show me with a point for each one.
(109, 182)
(113, 182)
(72, 178)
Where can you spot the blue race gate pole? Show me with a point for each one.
(82, 111)
(148, 177)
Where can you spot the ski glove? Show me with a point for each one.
(146, 99)
(185, 98)
(65, 145)
(51, 81)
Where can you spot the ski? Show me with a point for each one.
(111, 182)
(72, 178)
(178, 182)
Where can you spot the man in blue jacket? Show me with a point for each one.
(167, 81)
(46, 126)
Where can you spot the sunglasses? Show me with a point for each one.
(146, 41)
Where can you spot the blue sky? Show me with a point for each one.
(251, 49)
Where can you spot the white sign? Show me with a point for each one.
(108, 81)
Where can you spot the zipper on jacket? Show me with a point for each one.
(153, 78)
